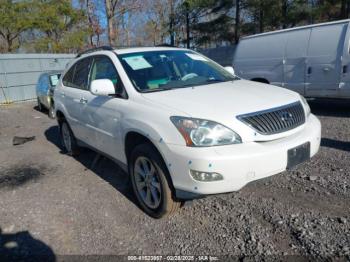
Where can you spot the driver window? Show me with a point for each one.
(103, 68)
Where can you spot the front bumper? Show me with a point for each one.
(238, 164)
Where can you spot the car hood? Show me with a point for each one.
(233, 98)
(222, 102)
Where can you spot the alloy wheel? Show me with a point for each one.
(147, 182)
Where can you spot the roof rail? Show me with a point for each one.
(107, 48)
(165, 45)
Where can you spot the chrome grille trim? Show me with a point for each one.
(275, 120)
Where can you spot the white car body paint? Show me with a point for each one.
(103, 123)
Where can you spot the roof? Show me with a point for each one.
(126, 50)
(145, 49)
(297, 28)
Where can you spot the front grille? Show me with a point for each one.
(275, 120)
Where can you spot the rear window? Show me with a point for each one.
(68, 77)
(77, 75)
(81, 73)
(54, 79)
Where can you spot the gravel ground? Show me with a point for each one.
(53, 204)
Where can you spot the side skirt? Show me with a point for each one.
(118, 162)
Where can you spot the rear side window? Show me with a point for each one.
(54, 79)
(68, 77)
(81, 73)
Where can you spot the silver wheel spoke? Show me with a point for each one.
(156, 185)
(154, 195)
(139, 171)
(145, 165)
(148, 196)
(141, 185)
(152, 170)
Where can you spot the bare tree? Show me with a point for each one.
(237, 20)
(95, 28)
(115, 10)
(172, 22)
(157, 15)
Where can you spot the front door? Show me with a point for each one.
(295, 58)
(323, 65)
(102, 114)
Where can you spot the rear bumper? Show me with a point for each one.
(238, 164)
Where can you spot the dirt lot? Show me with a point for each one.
(53, 204)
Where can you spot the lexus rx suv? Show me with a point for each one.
(179, 124)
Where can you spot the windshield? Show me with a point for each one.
(164, 70)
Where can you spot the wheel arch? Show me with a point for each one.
(60, 116)
(134, 138)
(260, 80)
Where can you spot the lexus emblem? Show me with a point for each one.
(285, 116)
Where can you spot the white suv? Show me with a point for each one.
(181, 125)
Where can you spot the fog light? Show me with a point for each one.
(205, 176)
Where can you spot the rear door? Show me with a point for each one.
(323, 65)
(74, 84)
(261, 58)
(295, 58)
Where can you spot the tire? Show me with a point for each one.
(51, 112)
(68, 139)
(145, 158)
(40, 106)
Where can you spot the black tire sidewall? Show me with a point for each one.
(148, 151)
(74, 146)
(40, 107)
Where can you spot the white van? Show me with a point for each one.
(311, 60)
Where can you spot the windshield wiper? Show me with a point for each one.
(213, 80)
(157, 89)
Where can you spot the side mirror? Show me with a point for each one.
(230, 70)
(102, 87)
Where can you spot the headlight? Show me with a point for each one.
(201, 133)
(306, 106)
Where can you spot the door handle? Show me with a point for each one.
(83, 101)
(326, 69)
(309, 70)
(345, 69)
